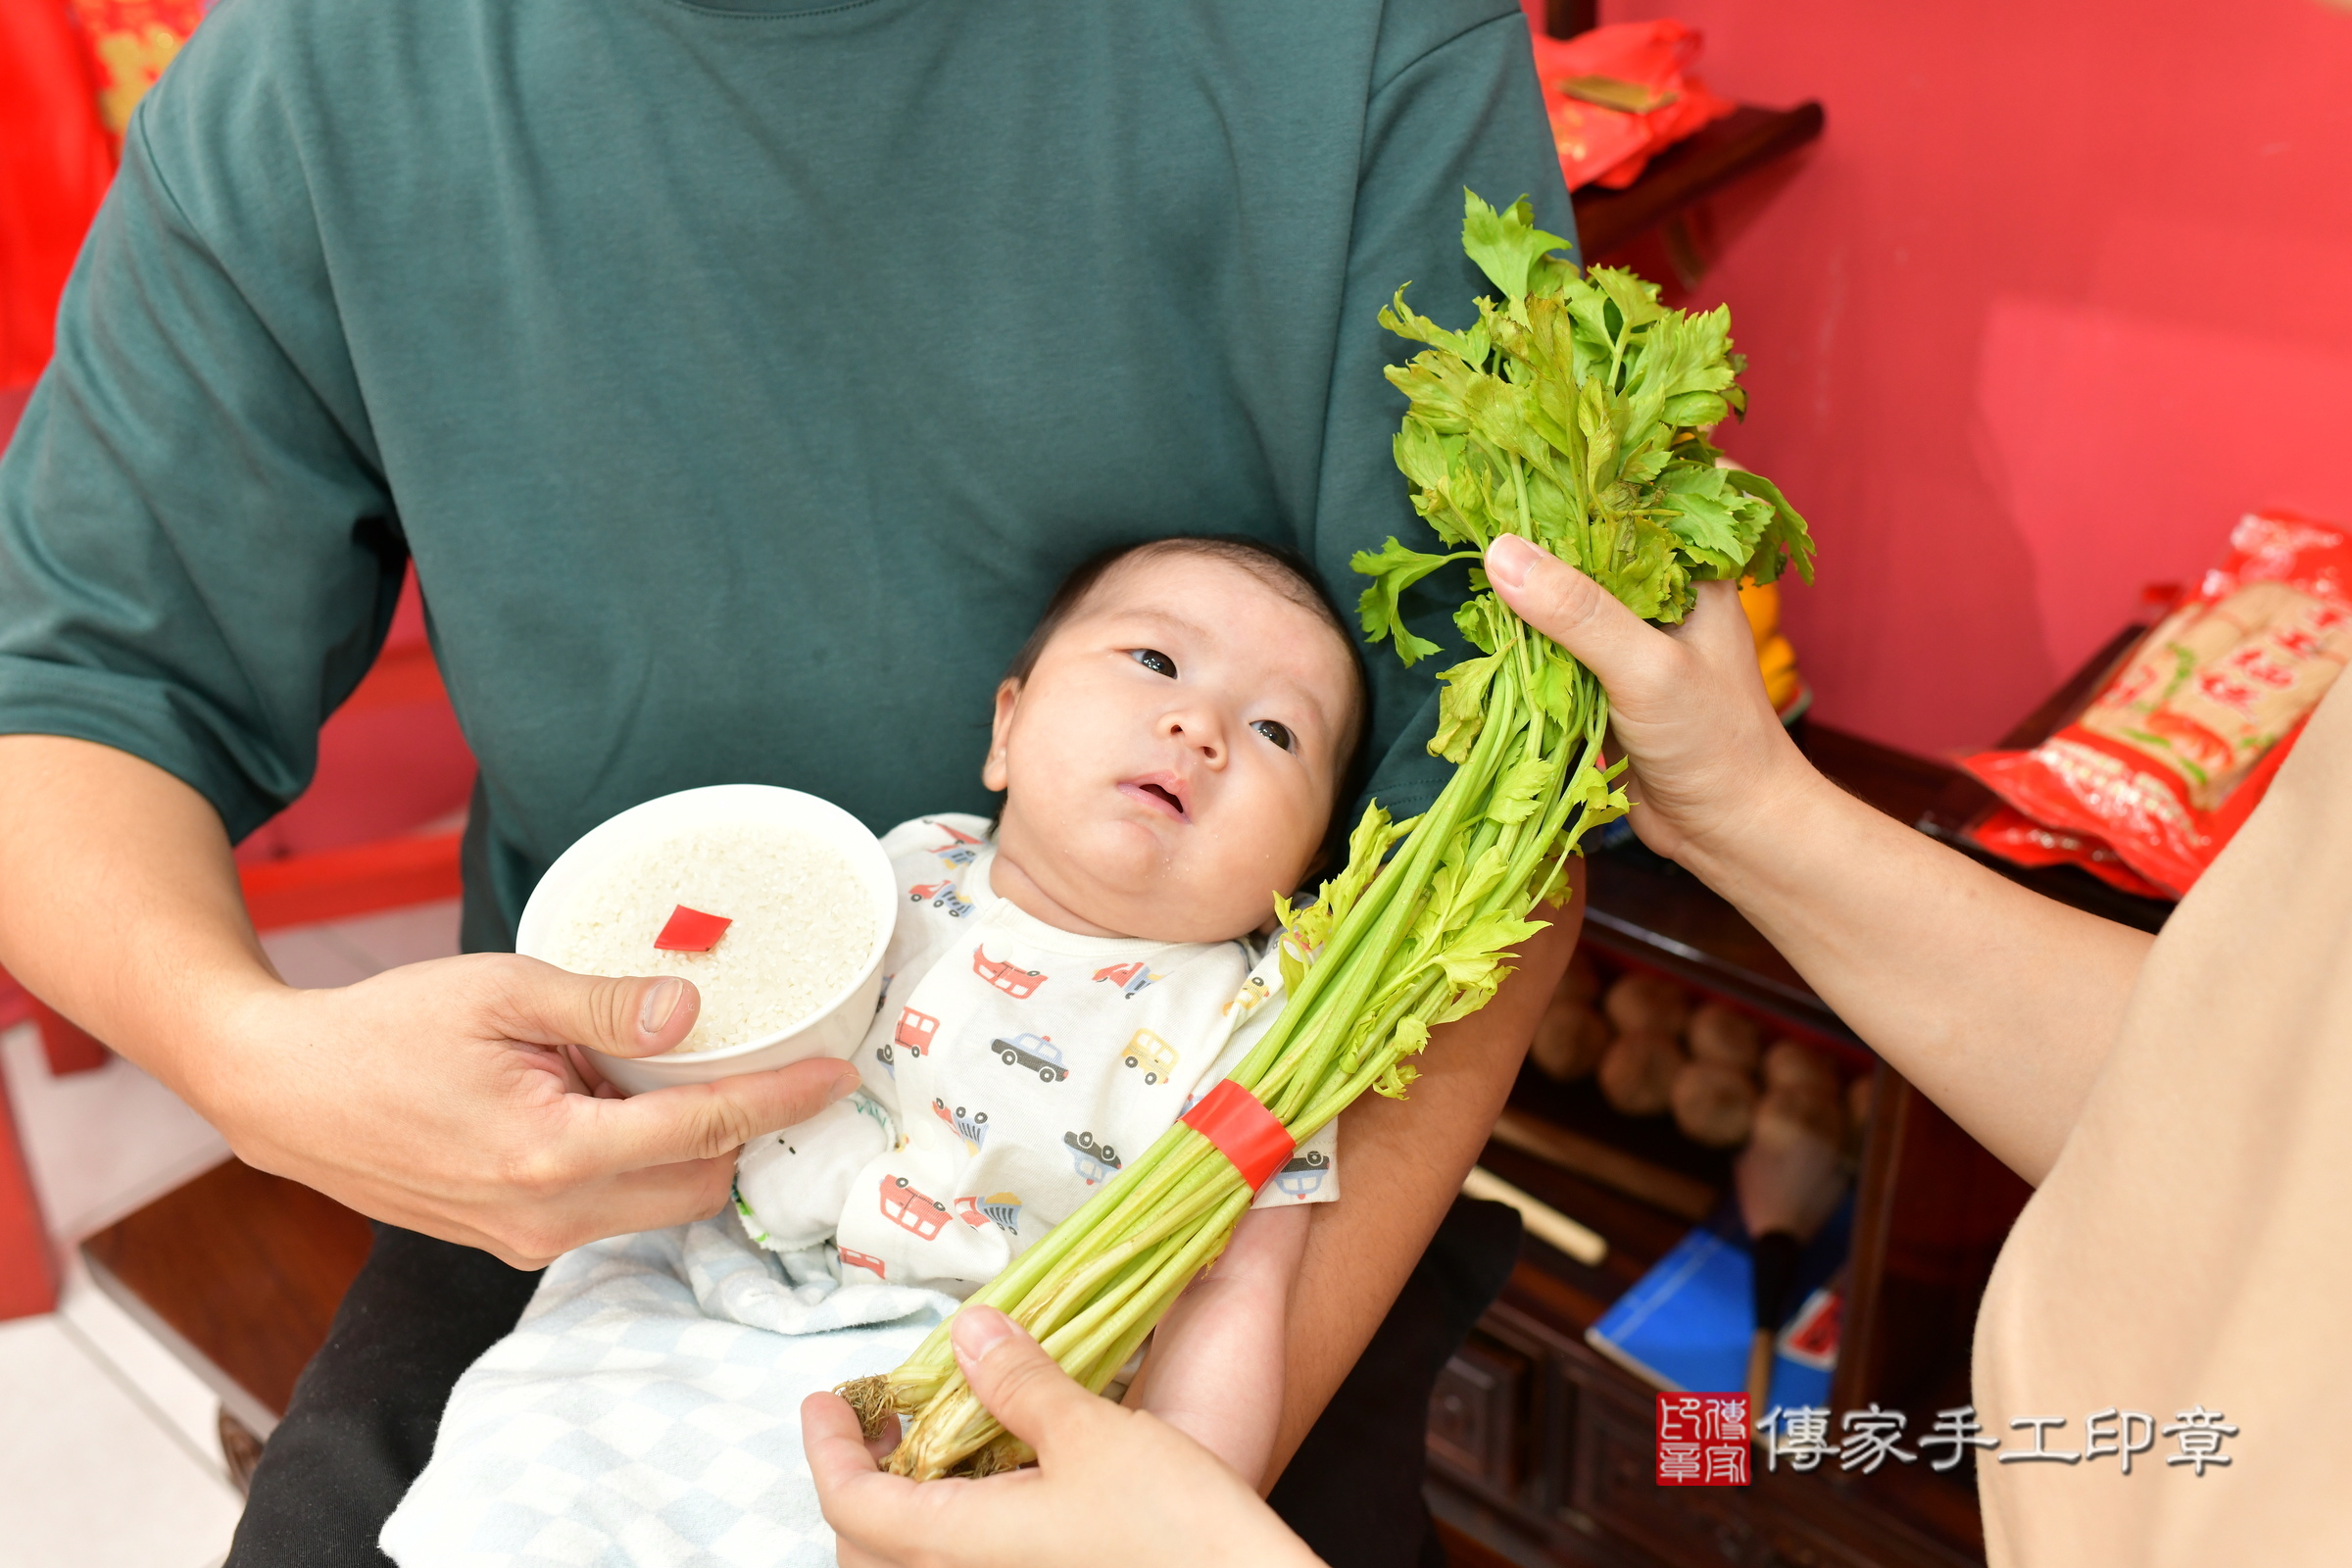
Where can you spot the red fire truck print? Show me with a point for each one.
(1094, 1161)
(851, 1257)
(961, 848)
(941, 895)
(914, 1031)
(1128, 978)
(999, 1209)
(1006, 976)
(971, 1126)
(910, 1209)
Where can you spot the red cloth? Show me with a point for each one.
(1610, 147)
(56, 160)
(71, 73)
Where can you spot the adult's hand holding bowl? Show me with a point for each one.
(833, 1028)
(452, 1097)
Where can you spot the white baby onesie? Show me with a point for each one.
(1011, 1069)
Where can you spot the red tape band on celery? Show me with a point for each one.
(1244, 1131)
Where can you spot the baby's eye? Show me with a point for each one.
(1152, 659)
(1279, 734)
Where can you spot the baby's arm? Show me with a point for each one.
(1215, 1370)
(790, 1186)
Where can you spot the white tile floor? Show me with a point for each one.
(93, 1411)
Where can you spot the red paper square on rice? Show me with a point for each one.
(692, 931)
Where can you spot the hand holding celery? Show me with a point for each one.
(1572, 414)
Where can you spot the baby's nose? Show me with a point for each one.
(1200, 734)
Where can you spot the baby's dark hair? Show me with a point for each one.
(1280, 568)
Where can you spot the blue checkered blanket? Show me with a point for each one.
(646, 1411)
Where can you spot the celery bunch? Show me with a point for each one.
(1571, 413)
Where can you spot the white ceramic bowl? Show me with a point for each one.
(834, 1028)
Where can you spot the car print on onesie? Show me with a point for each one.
(1130, 978)
(1253, 992)
(1303, 1174)
(914, 1031)
(1006, 976)
(1036, 1053)
(1149, 1052)
(941, 895)
(971, 1126)
(1095, 1162)
(1002, 1209)
(909, 1208)
(852, 1258)
(961, 850)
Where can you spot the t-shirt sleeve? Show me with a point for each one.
(198, 555)
(1449, 110)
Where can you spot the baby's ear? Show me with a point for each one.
(991, 770)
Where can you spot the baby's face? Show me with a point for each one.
(1170, 762)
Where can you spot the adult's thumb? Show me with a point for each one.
(634, 1017)
(1017, 1381)
(1574, 610)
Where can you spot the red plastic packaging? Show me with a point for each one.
(1609, 146)
(2014, 836)
(2178, 749)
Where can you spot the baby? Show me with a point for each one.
(1171, 742)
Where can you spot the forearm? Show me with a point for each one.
(1401, 1163)
(1998, 1003)
(123, 911)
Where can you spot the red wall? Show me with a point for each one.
(2064, 289)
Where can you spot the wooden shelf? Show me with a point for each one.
(238, 1273)
(1690, 171)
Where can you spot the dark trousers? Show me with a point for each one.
(363, 1417)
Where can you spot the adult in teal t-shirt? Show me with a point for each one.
(739, 376)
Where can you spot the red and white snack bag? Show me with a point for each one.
(2178, 749)
(2014, 836)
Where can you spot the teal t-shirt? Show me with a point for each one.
(740, 377)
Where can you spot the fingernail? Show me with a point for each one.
(1510, 558)
(979, 1330)
(842, 1087)
(660, 1003)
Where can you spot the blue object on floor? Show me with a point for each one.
(1685, 1325)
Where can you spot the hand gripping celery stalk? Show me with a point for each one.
(1572, 413)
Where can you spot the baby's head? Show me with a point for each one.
(1173, 739)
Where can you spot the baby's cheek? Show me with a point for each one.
(1294, 827)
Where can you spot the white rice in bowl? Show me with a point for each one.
(804, 925)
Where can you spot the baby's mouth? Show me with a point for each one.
(1160, 794)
